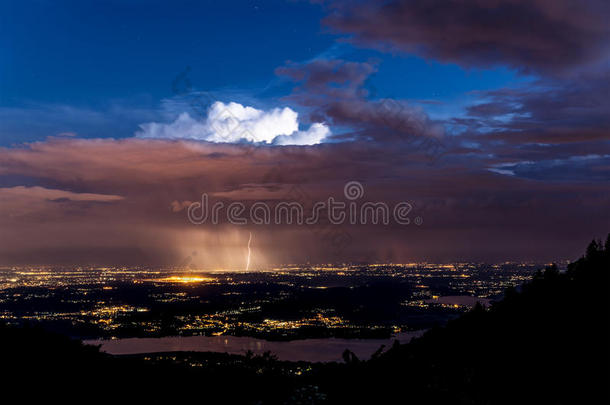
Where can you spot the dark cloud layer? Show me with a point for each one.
(543, 35)
(335, 92)
(554, 127)
(547, 112)
(117, 199)
(559, 128)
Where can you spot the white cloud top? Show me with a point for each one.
(233, 122)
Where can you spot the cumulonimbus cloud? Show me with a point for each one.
(233, 123)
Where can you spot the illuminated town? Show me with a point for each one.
(284, 303)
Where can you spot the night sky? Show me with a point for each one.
(491, 118)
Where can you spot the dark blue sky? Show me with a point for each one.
(101, 68)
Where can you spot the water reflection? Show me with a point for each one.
(314, 350)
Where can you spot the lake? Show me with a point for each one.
(313, 350)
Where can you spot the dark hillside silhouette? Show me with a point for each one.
(548, 342)
(40, 367)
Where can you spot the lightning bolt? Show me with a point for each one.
(248, 261)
